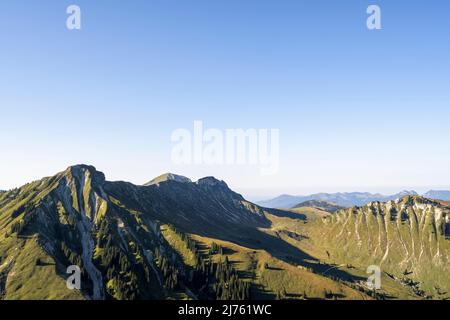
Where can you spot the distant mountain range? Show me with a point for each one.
(347, 199)
(341, 199)
(438, 195)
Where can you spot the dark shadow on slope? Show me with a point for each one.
(203, 249)
(295, 296)
(228, 251)
(212, 213)
(258, 292)
(246, 274)
(253, 238)
(286, 214)
(274, 268)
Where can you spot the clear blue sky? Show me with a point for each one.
(357, 109)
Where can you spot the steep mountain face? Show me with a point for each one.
(341, 199)
(408, 239)
(66, 217)
(321, 205)
(207, 205)
(438, 195)
(111, 230)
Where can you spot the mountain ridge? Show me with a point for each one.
(168, 177)
(438, 194)
(408, 238)
(172, 240)
(344, 199)
(78, 217)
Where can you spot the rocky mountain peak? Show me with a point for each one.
(211, 182)
(168, 177)
(80, 171)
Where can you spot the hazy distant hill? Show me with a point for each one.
(340, 199)
(439, 195)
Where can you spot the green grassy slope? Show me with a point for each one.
(407, 239)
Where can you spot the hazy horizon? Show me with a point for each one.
(257, 194)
